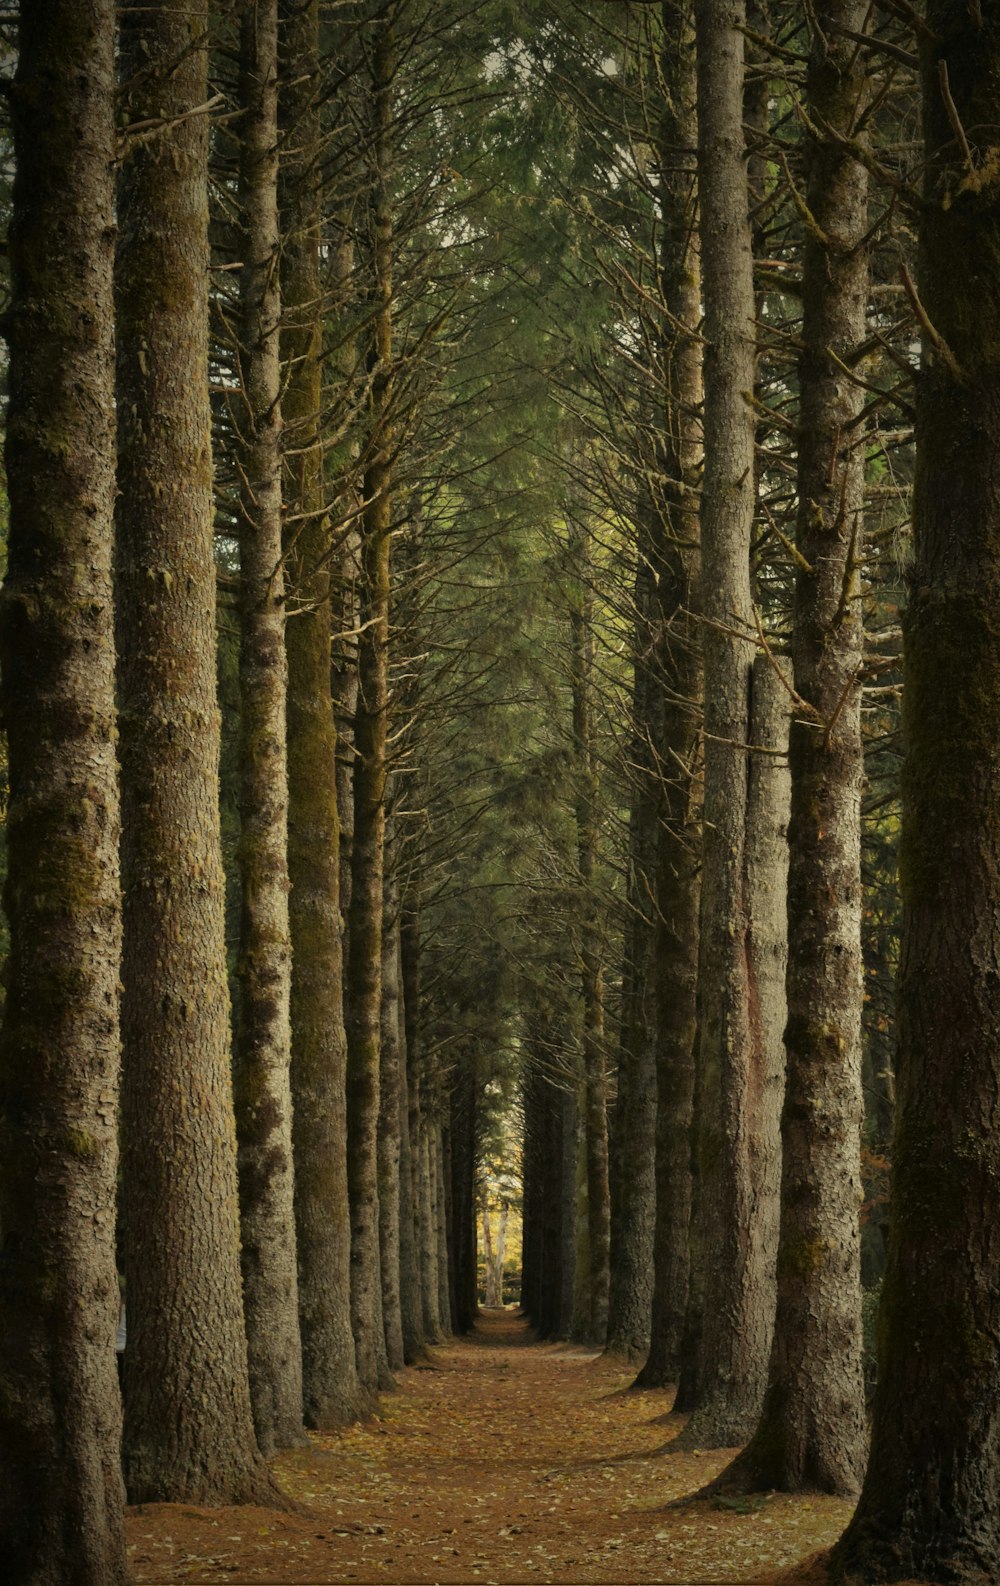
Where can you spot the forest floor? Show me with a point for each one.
(504, 1461)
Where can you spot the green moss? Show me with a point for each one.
(81, 1144)
(801, 1257)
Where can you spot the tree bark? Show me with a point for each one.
(332, 1394)
(928, 1505)
(445, 1269)
(263, 1036)
(675, 555)
(812, 1433)
(633, 1184)
(188, 1426)
(62, 1497)
(569, 1140)
(736, 1330)
(389, 1141)
(462, 1179)
(364, 923)
(434, 1321)
(411, 1306)
(591, 952)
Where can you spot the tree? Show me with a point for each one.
(363, 991)
(332, 1395)
(188, 1427)
(263, 1037)
(590, 949)
(927, 1507)
(62, 1496)
(812, 1430)
(676, 558)
(733, 1233)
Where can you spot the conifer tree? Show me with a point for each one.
(738, 1321)
(263, 1037)
(188, 1427)
(331, 1392)
(61, 1493)
(928, 1504)
(812, 1430)
(365, 917)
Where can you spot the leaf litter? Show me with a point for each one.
(507, 1462)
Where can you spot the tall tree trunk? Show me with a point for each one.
(633, 1187)
(263, 1044)
(331, 1392)
(389, 1142)
(463, 1194)
(62, 1497)
(409, 951)
(363, 1000)
(594, 1112)
(928, 1505)
(434, 1321)
(410, 1301)
(675, 556)
(445, 1269)
(812, 1432)
(735, 1339)
(569, 1133)
(188, 1426)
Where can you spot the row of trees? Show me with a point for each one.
(809, 175)
(513, 436)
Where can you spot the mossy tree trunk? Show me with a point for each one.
(736, 1324)
(410, 1304)
(569, 1131)
(928, 1506)
(594, 1112)
(390, 1151)
(435, 1324)
(424, 1254)
(812, 1432)
(364, 975)
(62, 1497)
(188, 1425)
(263, 1036)
(675, 556)
(463, 1193)
(633, 1150)
(445, 1267)
(331, 1392)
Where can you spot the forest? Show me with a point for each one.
(500, 779)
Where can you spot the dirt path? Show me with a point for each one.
(503, 1462)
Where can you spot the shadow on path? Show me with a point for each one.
(514, 1462)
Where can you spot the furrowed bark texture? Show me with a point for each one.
(446, 1297)
(595, 1106)
(389, 1141)
(188, 1426)
(812, 1432)
(435, 1324)
(928, 1505)
(424, 1255)
(736, 1333)
(766, 859)
(331, 1392)
(410, 1304)
(463, 1194)
(633, 1151)
(61, 1492)
(675, 555)
(569, 1142)
(364, 921)
(263, 1036)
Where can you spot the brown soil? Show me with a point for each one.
(505, 1462)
